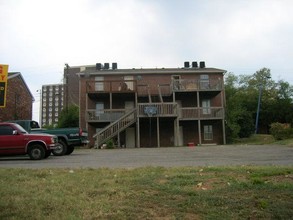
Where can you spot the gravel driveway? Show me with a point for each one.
(221, 155)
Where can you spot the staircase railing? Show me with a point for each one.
(114, 128)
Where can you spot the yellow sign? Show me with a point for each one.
(3, 84)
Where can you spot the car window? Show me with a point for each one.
(6, 130)
(21, 129)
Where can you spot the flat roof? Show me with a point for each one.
(143, 71)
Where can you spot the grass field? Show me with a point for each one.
(243, 192)
(261, 139)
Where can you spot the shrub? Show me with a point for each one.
(281, 131)
(110, 144)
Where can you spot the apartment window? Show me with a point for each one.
(99, 84)
(208, 132)
(206, 107)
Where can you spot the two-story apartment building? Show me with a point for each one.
(153, 107)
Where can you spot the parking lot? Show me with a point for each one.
(165, 157)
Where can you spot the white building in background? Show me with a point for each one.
(51, 104)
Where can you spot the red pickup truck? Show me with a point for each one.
(14, 140)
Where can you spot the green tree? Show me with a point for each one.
(242, 94)
(69, 117)
(239, 121)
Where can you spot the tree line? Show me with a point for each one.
(243, 95)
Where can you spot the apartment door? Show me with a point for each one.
(130, 138)
(99, 109)
(206, 107)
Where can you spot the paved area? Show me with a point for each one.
(165, 157)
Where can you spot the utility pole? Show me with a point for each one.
(39, 91)
(66, 86)
(258, 105)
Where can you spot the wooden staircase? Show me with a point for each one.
(115, 128)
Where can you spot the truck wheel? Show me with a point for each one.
(70, 149)
(61, 148)
(36, 152)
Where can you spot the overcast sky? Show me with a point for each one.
(241, 36)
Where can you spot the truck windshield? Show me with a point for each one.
(21, 129)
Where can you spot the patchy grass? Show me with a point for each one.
(258, 139)
(244, 192)
(288, 142)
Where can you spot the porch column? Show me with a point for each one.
(111, 101)
(199, 131)
(199, 116)
(158, 131)
(223, 117)
(137, 133)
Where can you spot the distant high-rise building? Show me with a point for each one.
(51, 104)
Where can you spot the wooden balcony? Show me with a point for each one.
(196, 85)
(157, 109)
(116, 86)
(104, 115)
(192, 113)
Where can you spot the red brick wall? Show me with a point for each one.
(18, 101)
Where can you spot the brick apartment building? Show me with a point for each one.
(152, 107)
(19, 100)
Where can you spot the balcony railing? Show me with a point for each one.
(157, 109)
(196, 85)
(201, 113)
(111, 86)
(106, 115)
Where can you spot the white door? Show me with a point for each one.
(206, 106)
(130, 138)
(99, 109)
